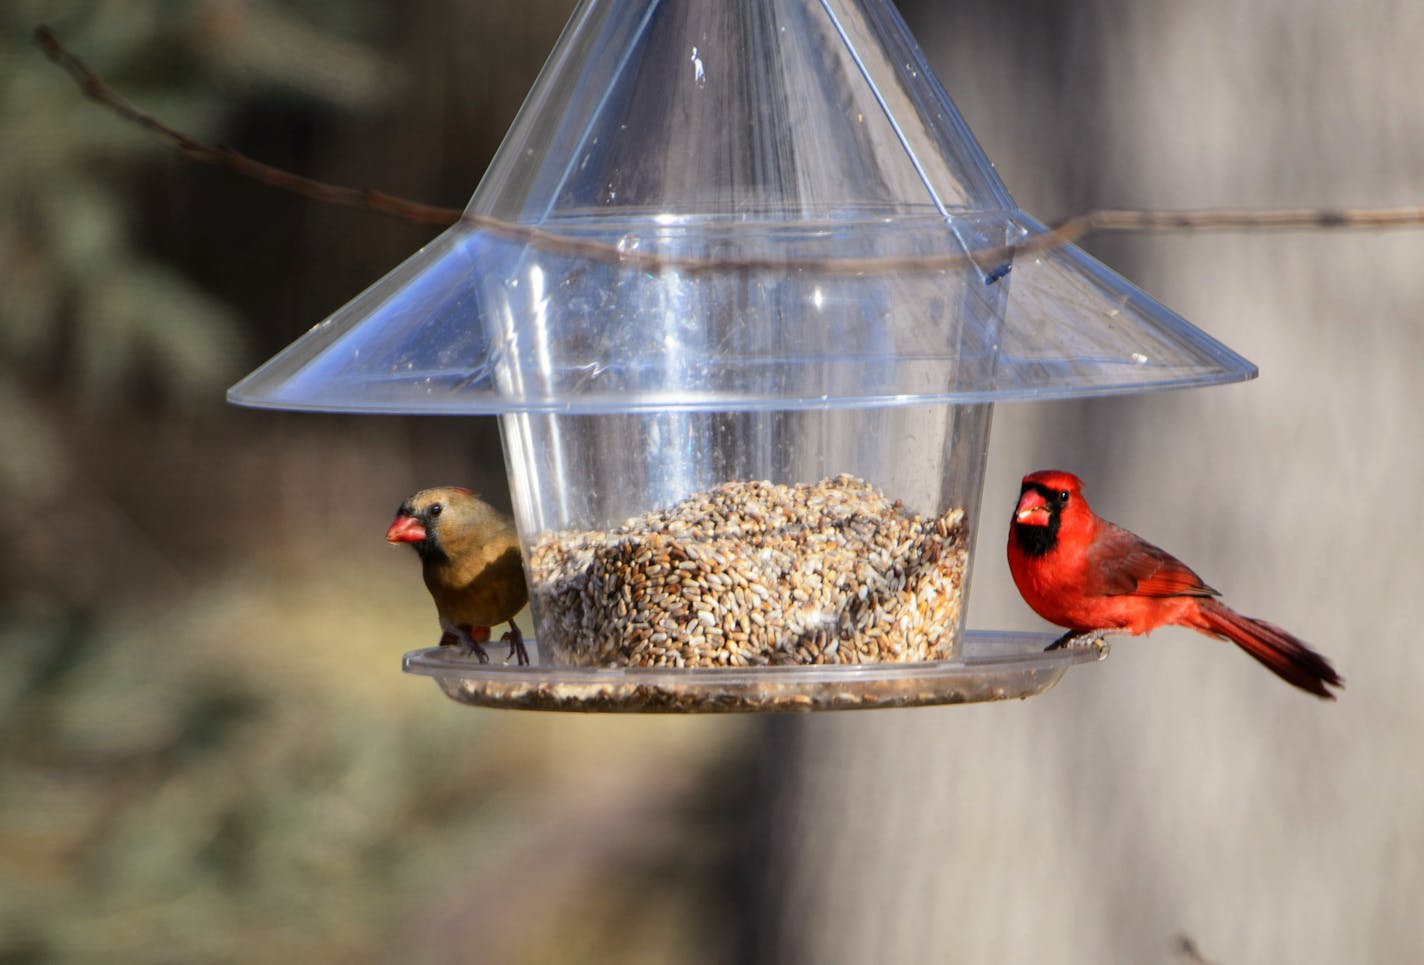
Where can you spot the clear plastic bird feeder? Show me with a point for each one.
(738, 286)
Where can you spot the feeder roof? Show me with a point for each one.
(737, 204)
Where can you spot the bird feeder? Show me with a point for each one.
(742, 290)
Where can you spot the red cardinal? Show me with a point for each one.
(1082, 572)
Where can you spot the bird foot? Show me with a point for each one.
(469, 639)
(515, 639)
(1076, 638)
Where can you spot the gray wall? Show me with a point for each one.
(1177, 788)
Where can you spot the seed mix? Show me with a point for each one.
(753, 573)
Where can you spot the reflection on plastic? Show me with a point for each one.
(733, 130)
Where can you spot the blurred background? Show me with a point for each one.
(207, 749)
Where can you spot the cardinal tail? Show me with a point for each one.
(1283, 654)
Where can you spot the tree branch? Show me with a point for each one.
(994, 260)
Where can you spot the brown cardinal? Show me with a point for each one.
(469, 555)
(1084, 573)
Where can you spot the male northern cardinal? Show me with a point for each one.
(1084, 573)
(469, 555)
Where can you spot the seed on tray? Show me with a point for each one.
(755, 573)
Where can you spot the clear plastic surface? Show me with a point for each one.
(738, 285)
(727, 205)
(994, 666)
(791, 533)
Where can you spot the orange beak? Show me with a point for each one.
(1032, 509)
(405, 529)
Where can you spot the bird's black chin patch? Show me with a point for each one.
(1037, 540)
(430, 550)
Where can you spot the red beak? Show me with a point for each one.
(406, 529)
(1032, 509)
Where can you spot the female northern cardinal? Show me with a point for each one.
(1084, 573)
(469, 554)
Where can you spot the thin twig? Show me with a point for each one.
(1187, 948)
(995, 258)
(1278, 219)
(100, 92)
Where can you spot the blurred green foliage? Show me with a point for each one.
(242, 775)
(206, 750)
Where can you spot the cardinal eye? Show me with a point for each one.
(436, 509)
(1063, 495)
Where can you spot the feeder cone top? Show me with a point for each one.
(731, 204)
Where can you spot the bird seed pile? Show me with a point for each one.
(754, 574)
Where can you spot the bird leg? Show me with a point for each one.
(466, 641)
(1073, 638)
(515, 639)
(472, 636)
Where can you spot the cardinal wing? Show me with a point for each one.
(1125, 563)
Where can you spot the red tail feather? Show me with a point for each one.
(1283, 654)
